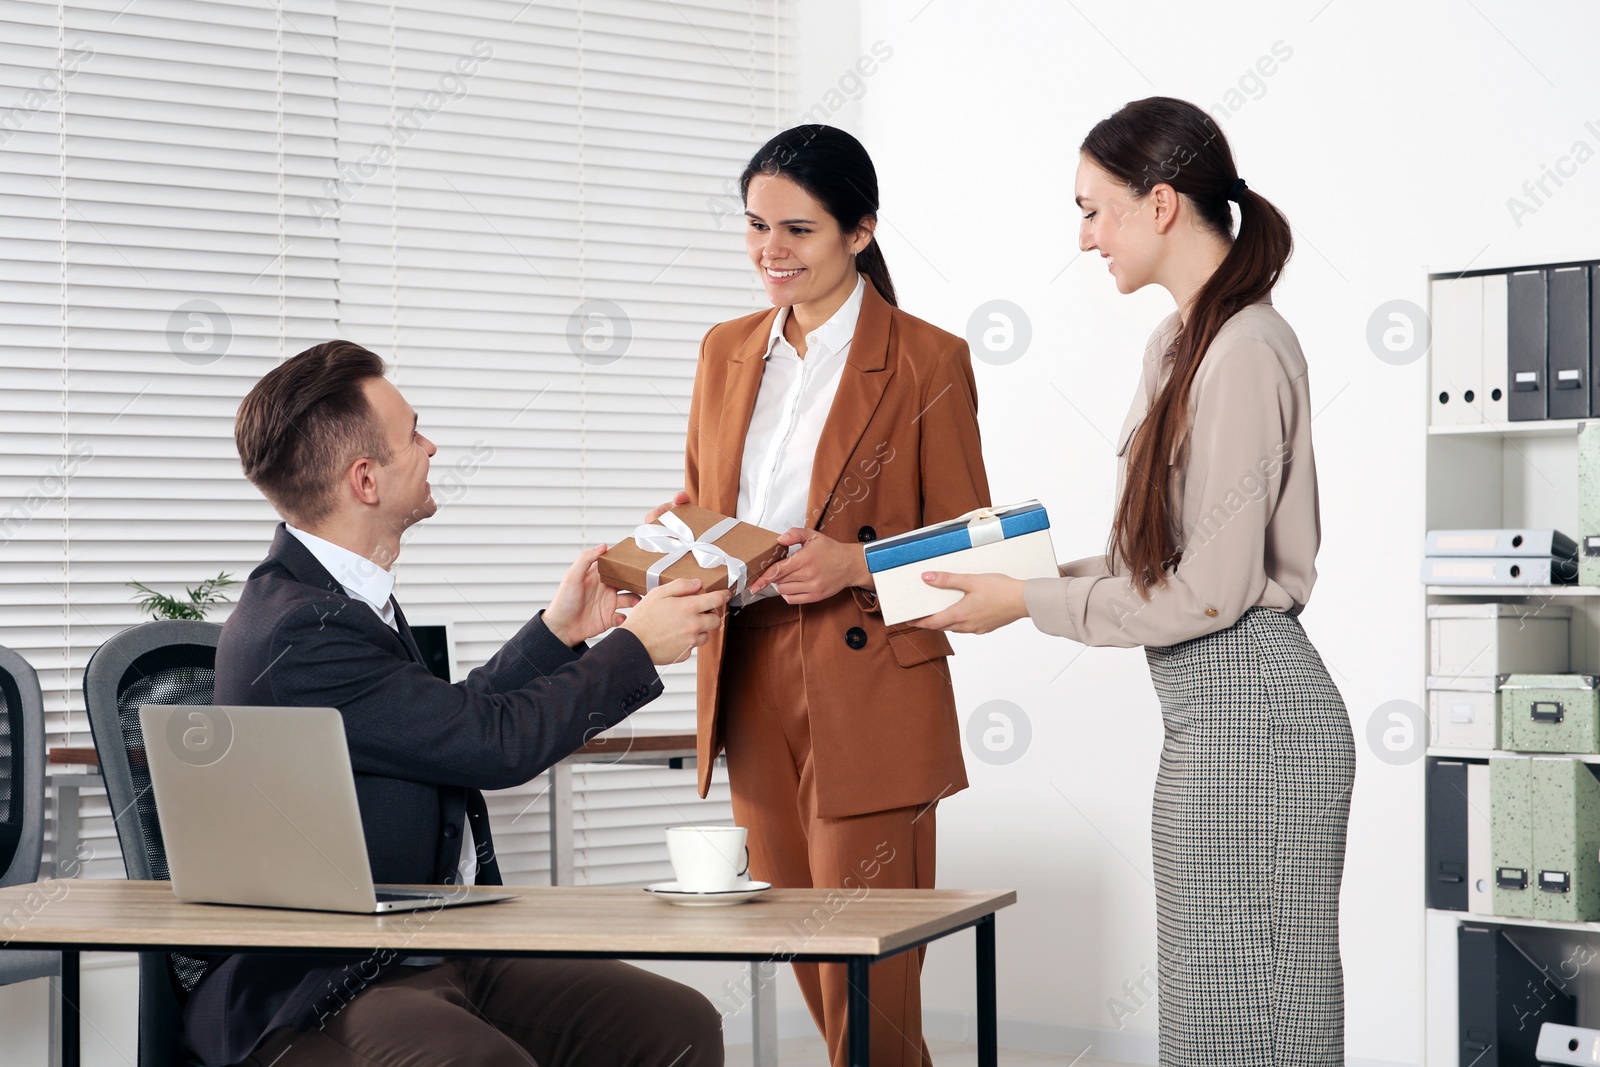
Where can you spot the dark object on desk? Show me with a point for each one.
(1504, 998)
(167, 662)
(436, 644)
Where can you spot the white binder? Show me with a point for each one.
(1480, 865)
(1560, 1045)
(1508, 571)
(1495, 387)
(1500, 543)
(1456, 352)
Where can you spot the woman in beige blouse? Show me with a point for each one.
(1211, 558)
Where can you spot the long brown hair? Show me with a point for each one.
(1160, 140)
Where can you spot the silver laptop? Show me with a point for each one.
(258, 806)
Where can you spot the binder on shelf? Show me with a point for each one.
(1526, 338)
(1493, 401)
(1511, 835)
(1500, 543)
(1456, 346)
(1568, 342)
(1504, 998)
(1446, 844)
(1589, 503)
(1566, 839)
(1594, 336)
(1498, 570)
(1561, 1045)
(1480, 821)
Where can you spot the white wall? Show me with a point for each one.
(1392, 137)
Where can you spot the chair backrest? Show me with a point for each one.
(21, 771)
(166, 662)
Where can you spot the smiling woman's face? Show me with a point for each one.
(1117, 225)
(796, 246)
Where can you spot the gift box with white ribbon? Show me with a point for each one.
(1012, 540)
(691, 542)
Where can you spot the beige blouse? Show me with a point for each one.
(1244, 484)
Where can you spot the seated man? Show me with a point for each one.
(335, 448)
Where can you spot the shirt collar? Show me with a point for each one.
(361, 578)
(834, 334)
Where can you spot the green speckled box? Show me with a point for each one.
(1566, 840)
(1588, 503)
(1511, 834)
(1550, 713)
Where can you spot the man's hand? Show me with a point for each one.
(676, 618)
(991, 601)
(820, 569)
(679, 498)
(584, 606)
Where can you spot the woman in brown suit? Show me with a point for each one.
(838, 418)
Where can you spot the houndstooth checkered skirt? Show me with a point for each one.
(1251, 804)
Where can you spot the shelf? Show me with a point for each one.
(1539, 428)
(1485, 753)
(1513, 590)
(1513, 920)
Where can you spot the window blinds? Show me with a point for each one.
(523, 207)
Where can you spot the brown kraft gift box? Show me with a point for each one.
(626, 565)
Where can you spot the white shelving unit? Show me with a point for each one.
(1490, 476)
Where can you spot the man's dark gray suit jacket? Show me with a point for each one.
(420, 747)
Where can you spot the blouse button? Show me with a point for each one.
(1211, 613)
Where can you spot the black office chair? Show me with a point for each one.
(22, 808)
(166, 662)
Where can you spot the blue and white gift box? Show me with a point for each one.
(1012, 540)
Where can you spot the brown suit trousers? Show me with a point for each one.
(511, 1013)
(772, 771)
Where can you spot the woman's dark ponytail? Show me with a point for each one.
(1147, 143)
(834, 168)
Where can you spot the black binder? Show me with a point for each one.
(1594, 337)
(1526, 337)
(1568, 357)
(1447, 834)
(1505, 998)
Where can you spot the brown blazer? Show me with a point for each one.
(899, 450)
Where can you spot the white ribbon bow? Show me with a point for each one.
(983, 526)
(676, 539)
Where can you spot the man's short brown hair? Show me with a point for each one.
(304, 423)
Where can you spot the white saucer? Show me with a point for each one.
(669, 892)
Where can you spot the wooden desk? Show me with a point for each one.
(809, 925)
(642, 747)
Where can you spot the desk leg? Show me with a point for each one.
(561, 824)
(70, 1024)
(859, 1020)
(764, 1014)
(988, 1023)
(66, 826)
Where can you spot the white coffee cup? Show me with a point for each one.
(708, 859)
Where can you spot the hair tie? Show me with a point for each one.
(1236, 190)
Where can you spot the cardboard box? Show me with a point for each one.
(628, 565)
